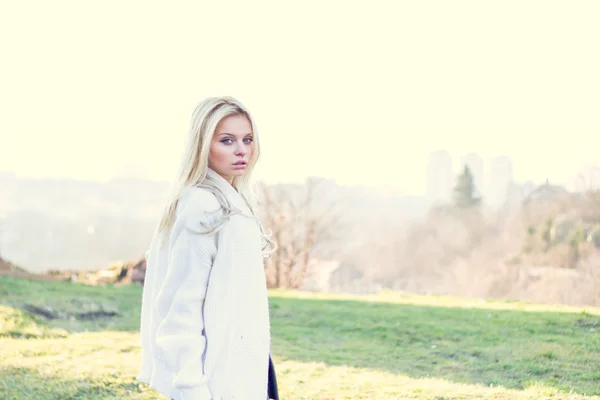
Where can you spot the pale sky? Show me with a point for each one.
(356, 91)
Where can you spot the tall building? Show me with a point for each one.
(500, 178)
(475, 163)
(440, 177)
(587, 178)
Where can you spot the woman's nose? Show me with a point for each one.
(240, 151)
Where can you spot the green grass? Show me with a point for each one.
(391, 346)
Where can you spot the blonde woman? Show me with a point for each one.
(205, 329)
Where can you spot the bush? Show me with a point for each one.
(594, 236)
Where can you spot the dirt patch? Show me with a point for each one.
(6, 268)
(118, 273)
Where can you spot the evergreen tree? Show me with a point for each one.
(464, 191)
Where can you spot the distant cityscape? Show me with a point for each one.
(493, 187)
(494, 182)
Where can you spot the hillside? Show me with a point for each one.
(67, 224)
(60, 340)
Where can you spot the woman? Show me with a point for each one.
(205, 316)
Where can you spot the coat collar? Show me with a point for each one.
(230, 192)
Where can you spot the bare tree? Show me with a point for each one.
(300, 218)
(589, 178)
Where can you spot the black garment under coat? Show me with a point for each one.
(272, 388)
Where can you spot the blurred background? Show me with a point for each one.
(447, 148)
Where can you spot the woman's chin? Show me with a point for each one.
(238, 171)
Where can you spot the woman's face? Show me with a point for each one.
(231, 147)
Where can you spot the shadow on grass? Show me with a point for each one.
(514, 349)
(27, 384)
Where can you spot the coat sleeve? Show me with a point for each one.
(180, 336)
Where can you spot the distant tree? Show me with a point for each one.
(464, 192)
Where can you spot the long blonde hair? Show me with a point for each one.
(194, 161)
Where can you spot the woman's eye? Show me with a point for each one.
(230, 141)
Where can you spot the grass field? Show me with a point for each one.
(391, 346)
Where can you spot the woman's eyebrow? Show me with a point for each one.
(231, 134)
